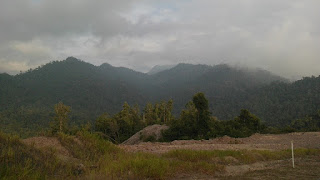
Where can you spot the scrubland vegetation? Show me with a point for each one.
(102, 159)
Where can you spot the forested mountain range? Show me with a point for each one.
(27, 99)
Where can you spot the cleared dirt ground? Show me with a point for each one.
(258, 141)
(305, 168)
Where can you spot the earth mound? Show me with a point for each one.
(49, 144)
(149, 133)
(42, 142)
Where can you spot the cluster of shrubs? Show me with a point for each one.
(195, 122)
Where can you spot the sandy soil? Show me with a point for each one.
(306, 168)
(256, 141)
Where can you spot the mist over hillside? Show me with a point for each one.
(159, 68)
(27, 99)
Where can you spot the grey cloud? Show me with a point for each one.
(280, 36)
(26, 19)
(33, 32)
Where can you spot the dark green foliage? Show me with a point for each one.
(202, 113)
(244, 125)
(129, 121)
(305, 124)
(108, 126)
(308, 123)
(25, 122)
(88, 89)
(122, 125)
(279, 103)
(249, 121)
(195, 122)
(185, 127)
(201, 103)
(226, 88)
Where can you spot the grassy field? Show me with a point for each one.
(91, 157)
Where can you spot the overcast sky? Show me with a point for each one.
(282, 36)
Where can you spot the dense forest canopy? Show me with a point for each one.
(27, 99)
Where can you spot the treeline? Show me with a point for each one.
(118, 127)
(195, 122)
(305, 124)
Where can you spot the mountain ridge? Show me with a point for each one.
(92, 90)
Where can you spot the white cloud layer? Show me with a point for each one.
(280, 36)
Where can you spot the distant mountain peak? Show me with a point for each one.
(71, 58)
(105, 65)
